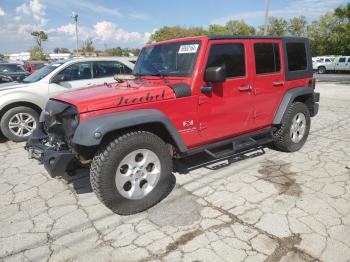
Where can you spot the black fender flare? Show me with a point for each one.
(288, 99)
(91, 131)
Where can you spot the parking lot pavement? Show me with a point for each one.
(329, 77)
(266, 206)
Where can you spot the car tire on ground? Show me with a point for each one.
(18, 123)
(294, 130)
(322, 70)
(132, 173)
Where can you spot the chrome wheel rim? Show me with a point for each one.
(297, 129)
(22, 124)
(138, 174)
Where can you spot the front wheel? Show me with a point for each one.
(294, 130)
(18, 123)
(132, 173)
(322, 70)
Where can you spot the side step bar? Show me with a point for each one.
(235, 145)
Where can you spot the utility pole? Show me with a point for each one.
(75, 17)
(267, 4)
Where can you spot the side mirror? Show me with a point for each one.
(58, 79)
(215, 74)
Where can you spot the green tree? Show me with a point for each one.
(40, 37)
(297, 26)
(61, 50)
(215, 29)
(37, 54)
(166, 33)
(276, 26)
(239, 27)
(88, 46)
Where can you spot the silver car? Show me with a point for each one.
(22, 102)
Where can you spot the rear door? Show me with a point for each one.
(341, 64)
(104, 71)
(268, 79)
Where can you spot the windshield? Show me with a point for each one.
(11, 68)
(173, 59)
(41, 73)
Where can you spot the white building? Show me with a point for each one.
(60, 56)
(23, 56)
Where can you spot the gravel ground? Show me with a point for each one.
(265, 206)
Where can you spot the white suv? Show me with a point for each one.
(22, 102)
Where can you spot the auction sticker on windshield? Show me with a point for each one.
(186, 49)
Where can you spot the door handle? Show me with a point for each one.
(278, 83)
(247, 88)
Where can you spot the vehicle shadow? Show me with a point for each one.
(80, 179)
(3, 139)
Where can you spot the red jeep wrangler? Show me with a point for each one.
(221, 95)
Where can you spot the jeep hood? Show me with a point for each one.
(116, 95)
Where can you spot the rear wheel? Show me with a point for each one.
(18, 123)
(294, 130)
(132, 173)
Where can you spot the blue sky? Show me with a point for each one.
(129, 23)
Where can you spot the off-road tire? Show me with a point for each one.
(322, 70)
(4, 124)
(106, 161)
(282, 137)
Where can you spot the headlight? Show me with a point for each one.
(60, 121)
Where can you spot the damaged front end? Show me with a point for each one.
(50, 143)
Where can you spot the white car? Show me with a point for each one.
(22, 102)
(325, 64)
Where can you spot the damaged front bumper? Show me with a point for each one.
(55, 161)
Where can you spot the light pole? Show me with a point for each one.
(267, 4)
(75, 17)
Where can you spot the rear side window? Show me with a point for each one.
(267, 58)
(328, 60)
(342, 60)
(110, 68)
(296, 55)
(230, 56)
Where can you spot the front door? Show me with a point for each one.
(227, 110)
(268, 79)
(75, 76)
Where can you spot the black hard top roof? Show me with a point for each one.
(218, 37)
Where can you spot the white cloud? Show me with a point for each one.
(102, 32)
(312, 9)
(2, 12)
(33, 8)
(105, 31)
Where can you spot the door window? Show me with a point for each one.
(296, 55)
(267, 58)
(342, 60)
(230, 56)
(78, 71)
(110, 68)
(328, 60)
(348, 59)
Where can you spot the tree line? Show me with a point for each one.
(329, 35)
